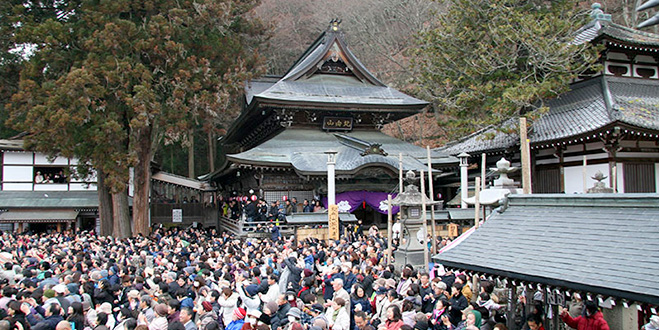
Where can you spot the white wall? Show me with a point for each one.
(17, 186)
(41, 159)
(17, 157)
(17, 173)
(574, 177)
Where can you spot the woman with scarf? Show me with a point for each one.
(439, 314)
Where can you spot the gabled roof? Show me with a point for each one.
(589, 106)
(304, 150)
(329, 75)
(601, 28)
(597, 30)
(600, 243)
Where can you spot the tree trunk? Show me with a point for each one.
(121, 228)
(211, 151)
(191, 154)
(104, 205)
(142, 181)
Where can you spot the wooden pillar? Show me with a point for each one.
(526, 156)
(59, 227)
(512, 302)
(611, 145)
(561, 168)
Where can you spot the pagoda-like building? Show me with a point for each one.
(326, 101)
(611, 119)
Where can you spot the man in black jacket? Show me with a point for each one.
(458, 302)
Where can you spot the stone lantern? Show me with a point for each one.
(411, 218)
(501, 188)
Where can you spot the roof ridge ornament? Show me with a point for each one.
(334, 24)
(597, 14)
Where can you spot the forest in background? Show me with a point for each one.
(379, 32)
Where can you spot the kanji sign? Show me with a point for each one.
(337, 123)
(177, 215)
(333, 212)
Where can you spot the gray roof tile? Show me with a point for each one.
(580, 111)
(601, 246)
(304, 149)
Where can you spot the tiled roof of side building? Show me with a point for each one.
(590, 105)
(600, 243)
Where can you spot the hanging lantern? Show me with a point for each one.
(254, 198)
(244, 198)
(284, 198)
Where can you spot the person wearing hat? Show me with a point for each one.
(159, 321)
(206, 315)
(252, 319)
(106, 308)
(238, 319)
(294, 316)
(248, 294)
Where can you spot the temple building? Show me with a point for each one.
(326, 102)
(609, 121)
(39, 193)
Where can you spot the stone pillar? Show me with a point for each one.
(464, 179)
(331, 180)
(622, 318)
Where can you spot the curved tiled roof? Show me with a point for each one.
(599, 243)
(304, 150)
(587, 107)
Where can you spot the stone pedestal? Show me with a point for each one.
(412, 251)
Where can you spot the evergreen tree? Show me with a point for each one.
(486, 62)
(110, 78)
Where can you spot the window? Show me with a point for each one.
(50, 175)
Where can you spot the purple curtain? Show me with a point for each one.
(351, 200)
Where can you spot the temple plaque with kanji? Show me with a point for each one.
(333, 212)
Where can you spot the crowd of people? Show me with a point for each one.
(196, 279)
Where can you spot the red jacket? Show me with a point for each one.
(595, 322)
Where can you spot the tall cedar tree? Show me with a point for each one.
(109, 78)
(486, 62)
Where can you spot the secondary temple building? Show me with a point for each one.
(611, 120)
(326, 101)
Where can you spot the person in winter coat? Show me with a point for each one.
(439, 314)
(592, 320)
(337, 315)
(237, 319)
(249, 296)
(52, 318)
(293, 282)
(206, 315)
(394, 319)
(229, 302)
(458, 303)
